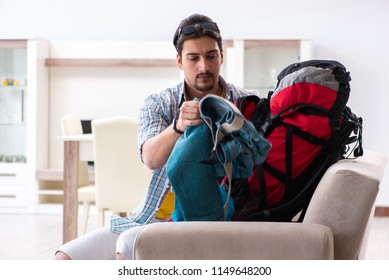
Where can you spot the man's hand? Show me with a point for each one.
(156, 150)
(189, 115)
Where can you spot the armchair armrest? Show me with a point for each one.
(234, 240)
(344, 199)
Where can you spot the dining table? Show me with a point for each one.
(76, 148)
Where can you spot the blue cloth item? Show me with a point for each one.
(235, 139)
(226, 144)
(194, 183)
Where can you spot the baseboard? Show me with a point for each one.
(381, 212)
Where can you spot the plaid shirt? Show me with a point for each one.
(156, 114)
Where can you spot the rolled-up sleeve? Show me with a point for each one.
(156, 114)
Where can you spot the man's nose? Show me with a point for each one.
(203, 65)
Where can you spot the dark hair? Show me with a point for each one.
(196, 20)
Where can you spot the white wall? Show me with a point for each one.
(351, 31)
(96, 92)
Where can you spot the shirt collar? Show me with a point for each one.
(223, 83)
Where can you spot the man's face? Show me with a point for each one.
(201, 61)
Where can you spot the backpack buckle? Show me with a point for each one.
(335, 124)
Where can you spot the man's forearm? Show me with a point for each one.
(156, 150)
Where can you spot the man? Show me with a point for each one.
(162, 120)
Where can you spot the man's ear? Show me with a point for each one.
(179, 61)
(222, 56)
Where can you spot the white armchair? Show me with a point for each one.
(334, 227)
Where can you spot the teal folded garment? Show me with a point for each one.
(194, 183)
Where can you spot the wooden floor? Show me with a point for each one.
(32, 237)
(37, 237)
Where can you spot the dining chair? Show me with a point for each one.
(71, 125)
(121, 178)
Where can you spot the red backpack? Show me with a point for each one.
(310, 127)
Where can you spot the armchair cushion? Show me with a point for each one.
(234, 240)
